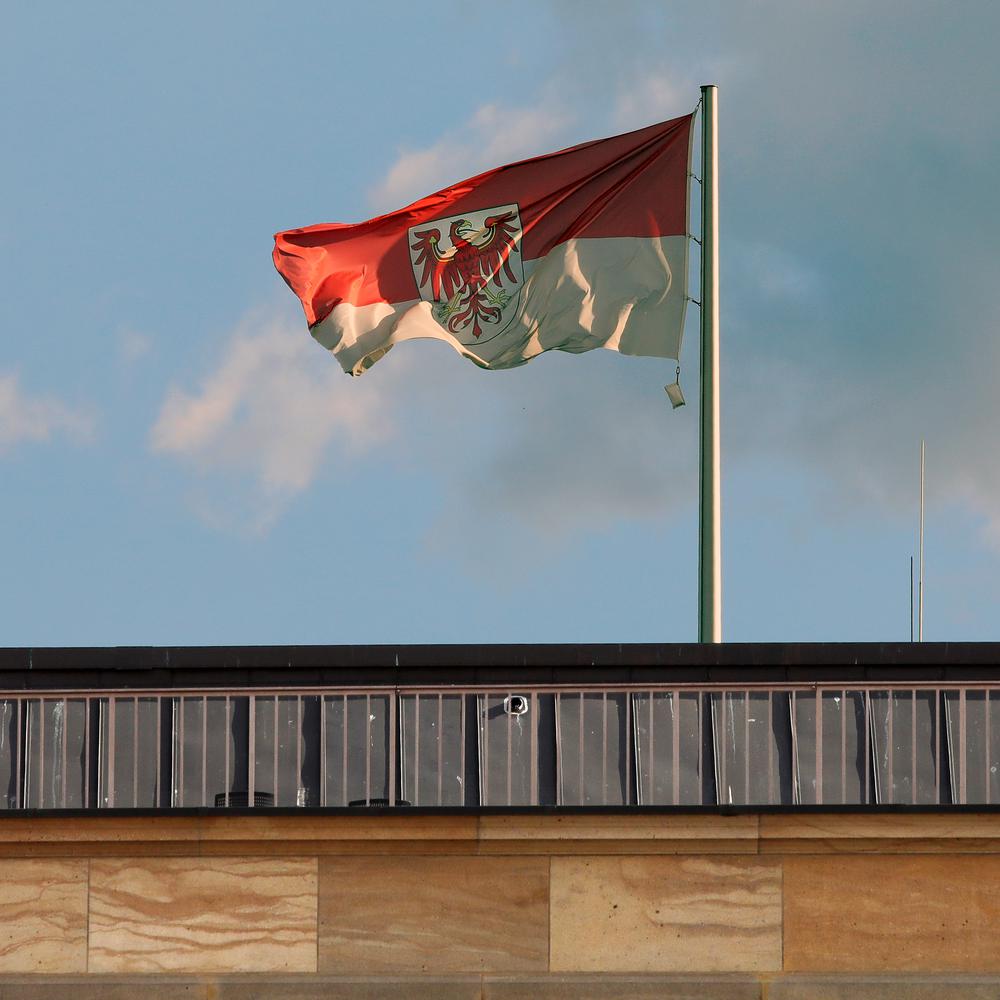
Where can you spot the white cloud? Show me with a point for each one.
(133, 345)
(653, 98)
(25, 418)
(270, 412)
(493, 135)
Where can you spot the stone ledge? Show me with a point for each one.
(622, 987)
(885, 987)
(302, 987)
(879, 833)
(524, 833)
(492, 987)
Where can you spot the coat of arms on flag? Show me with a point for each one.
(468, 267)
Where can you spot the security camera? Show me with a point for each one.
(515, 704)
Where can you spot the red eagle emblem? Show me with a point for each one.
(473, 278)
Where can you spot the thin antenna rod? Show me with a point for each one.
(920, 585)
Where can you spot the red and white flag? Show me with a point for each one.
(570, 251)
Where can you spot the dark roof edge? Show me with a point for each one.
(510, 654)
(377, 665)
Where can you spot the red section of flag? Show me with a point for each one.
(628, 185)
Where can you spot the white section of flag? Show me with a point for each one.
(626, 294)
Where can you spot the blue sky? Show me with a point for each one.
(182, 464)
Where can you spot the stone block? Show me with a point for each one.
(933, 913)
(203, 915)
(665, 914)
(43, 915)
(433, 914)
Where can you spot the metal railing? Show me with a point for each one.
(666, 745)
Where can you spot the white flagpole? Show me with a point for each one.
(710, 530)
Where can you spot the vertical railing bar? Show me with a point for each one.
(701, 751)
(891, 749)
(299, 787)
(675, 740)
(416, 749)
(111, 750)
(65, 736)
(937, 746)
(322, 750)
(41, 753)
(533, 745)
(962, 783)
(770, 748)
(179, 702)
(796, 761)
(746, 747)
(483, 742)
(252, 751)
(403, 749)
(20, 770)
(135, 752)
(405, 792)
(868, 758)
(819, 747)
(157, 784)
(226, 756)
(724, 757)
(86, 753)
(510, 754)
(628, 748)
(393, 747)
(843, 747)
(368, 748)
(913, 747)
(277, 739)
(652, 754)
(580, 787)
(344, 756)
(440, 742)
(204, 751)
(461, 752)
(604, 748)
(988, 753)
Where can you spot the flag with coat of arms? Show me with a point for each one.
(583, 248)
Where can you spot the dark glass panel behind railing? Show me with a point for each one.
(682, 746)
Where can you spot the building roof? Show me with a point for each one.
(166, 667)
